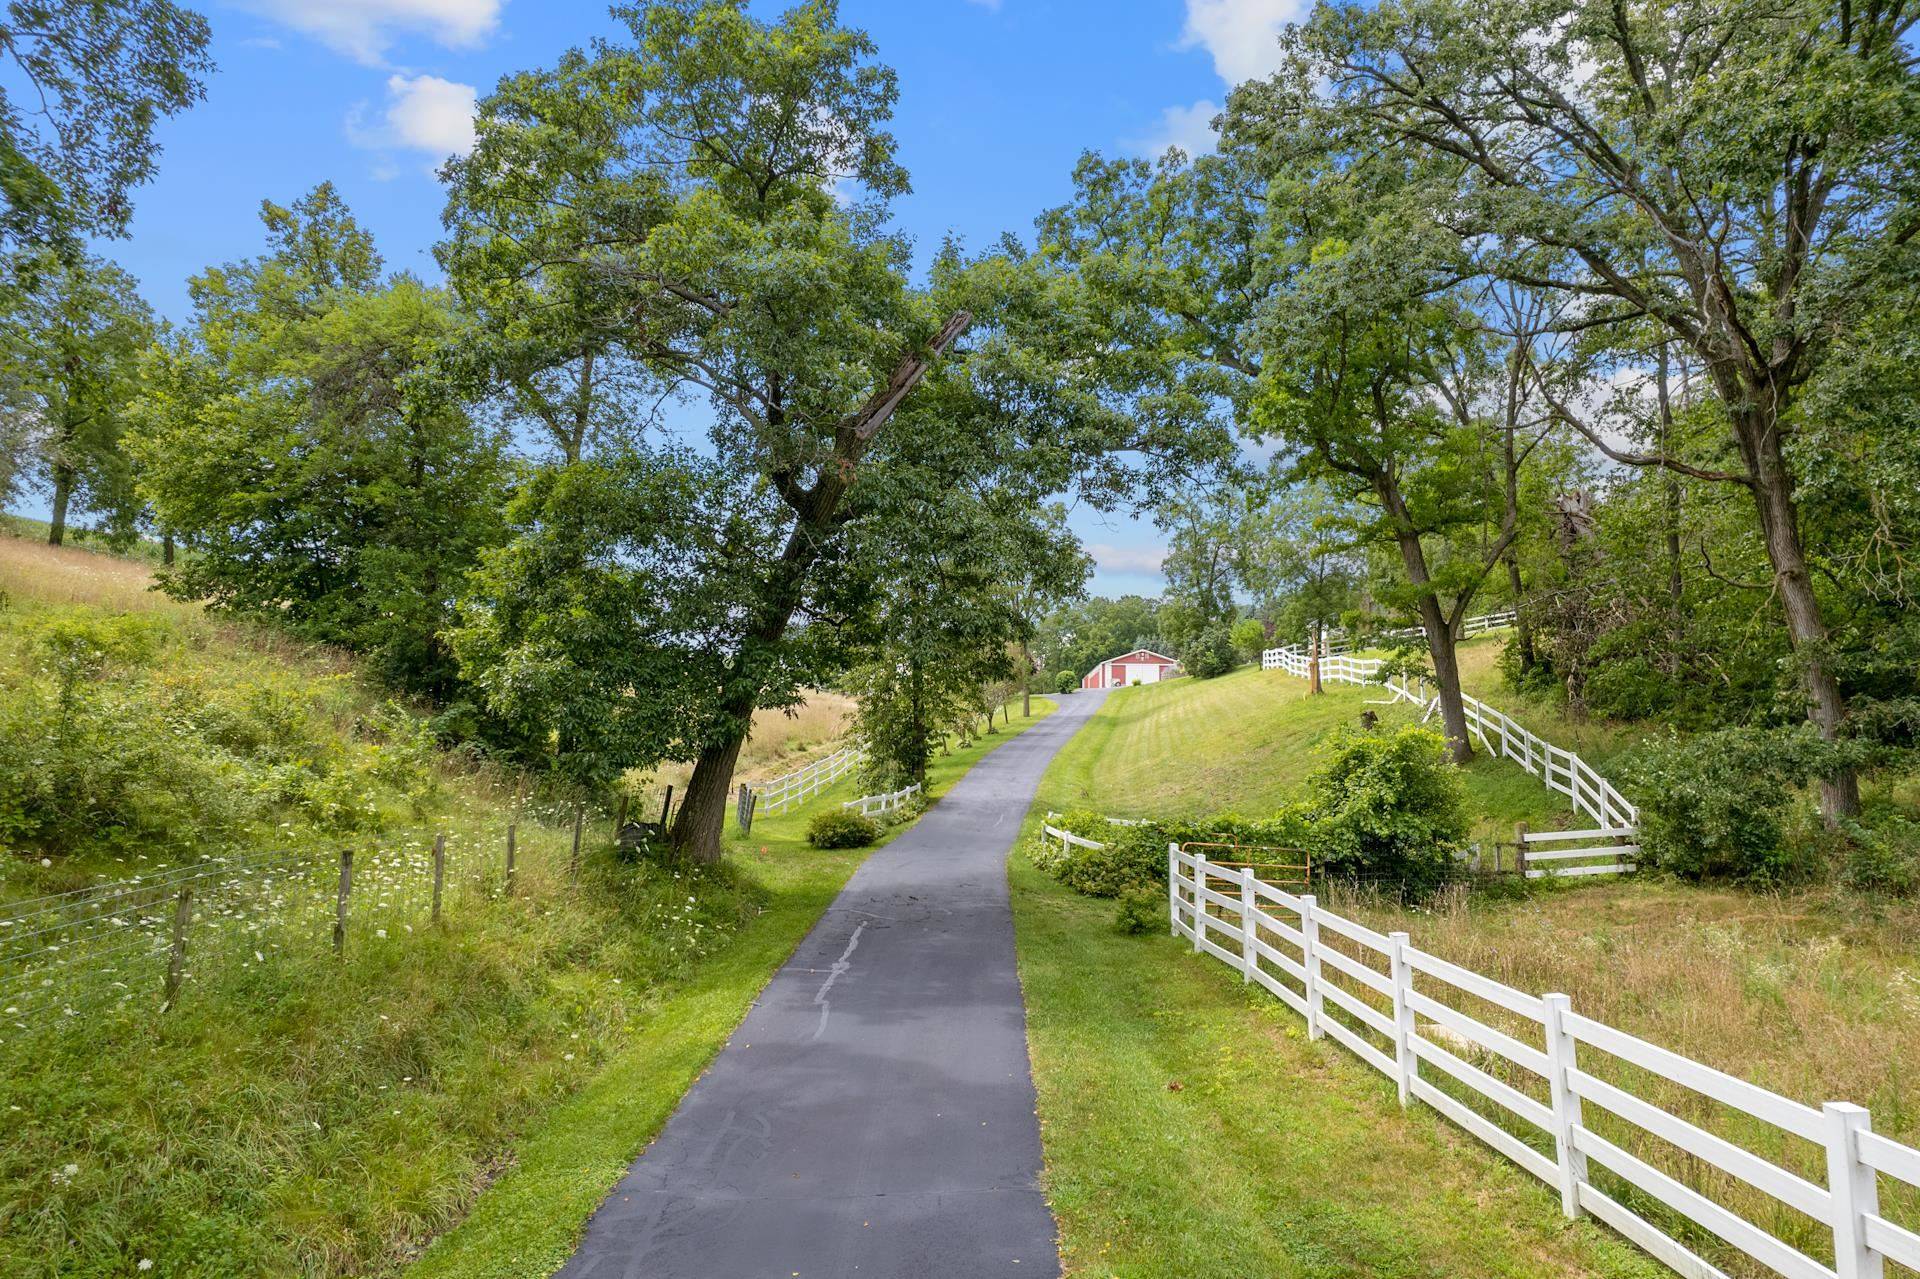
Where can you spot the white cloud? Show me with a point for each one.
(1189, 128)
(1127, 559)
(423, 113)
(364, 29)
(1242, 36)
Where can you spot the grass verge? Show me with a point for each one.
(1191, 1129)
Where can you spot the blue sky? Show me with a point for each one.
(998, 98)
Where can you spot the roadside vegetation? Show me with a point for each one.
(293, 1113)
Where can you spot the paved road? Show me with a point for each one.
(873, 1115)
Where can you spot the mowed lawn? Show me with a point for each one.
(1245, 743)
(1191, 1129)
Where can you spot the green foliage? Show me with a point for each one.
(1140, 913)
(1066, 682)
(1075, 638)
(841, 828)
(1716, 805)
(114, 741)
(295, 438)
(92, 82)
(1135, 856)
(1385, 806)
(72, 344)
(1883, 857)
(1249, 638)
(1211, 654)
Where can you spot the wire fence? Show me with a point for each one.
(143, 939)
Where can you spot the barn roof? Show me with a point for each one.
(1133, 653)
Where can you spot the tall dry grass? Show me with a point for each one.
(779, 742)
(33, 571)
(1810, 994)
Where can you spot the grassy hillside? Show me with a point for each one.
(1304, 1153)
(1244, 743)
(294, 1113)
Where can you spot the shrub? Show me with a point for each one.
(1066, 682)
(839, 828)
(1715, 805)
(1884, 857)
(1135, 857)
(1210, 654)
(1249, 638)
(1386, 806)
(1140, 912)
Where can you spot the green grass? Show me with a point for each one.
(1191, 1129)
(1245, 743)
(528, 1222)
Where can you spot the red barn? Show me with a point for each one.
(1141, 666)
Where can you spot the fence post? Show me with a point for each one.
(620, 816)
(1520, 848)
(1249, 957)
(1566, 1103)
(177, 955)
(1310, 960)
(1402, 975)
(340, 901)
(1855, 1192)
(512, 830)
(1199, 899)
(439, 871)
(573, 864)
(1173, 886)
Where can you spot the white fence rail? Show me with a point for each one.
(1558, 769)
(784, 792)
(1067, 838)
(1404, 1012)
(876, 805)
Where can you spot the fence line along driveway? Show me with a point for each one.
(1572, 1100)
(1558, 769)
(873, 1115)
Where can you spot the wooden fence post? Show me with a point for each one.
(177, 955)
(1402, 974)
(340, 902)
(573, 865)
(1566, 1102)
(1199, 899)
(512, 830)
(620, 817)
(666, 807)
(1249, 957)
(439, 871)
(1855, 1192)
(1520, 848)
(1173, 885)
(1310, 960)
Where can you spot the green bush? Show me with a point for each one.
(1385, 806)
(1249, 638)
(1210, 654)
(1716, 805)
(1135, 857)
(840, 828)
(1883, 857)
(1066, 682)
(1140, 912)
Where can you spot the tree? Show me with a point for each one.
(1199, 568)
(1589, 133)
(96, 78)
(73, 345)
(296, 437)
(1297, 557)
(678, 193)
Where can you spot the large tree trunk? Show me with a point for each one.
(1523, 629)
(1439, 628)
(62, 495)
(1780, 522)
(1316, 641)
(703, 806)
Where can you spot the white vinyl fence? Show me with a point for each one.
(1558, 769)
(784, 792)
(1566, 1097)
(876, 805)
